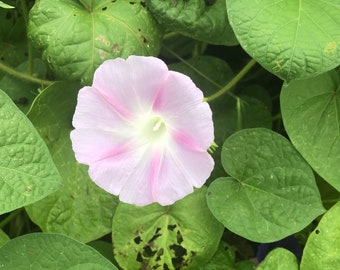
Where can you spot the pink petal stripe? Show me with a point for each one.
(181, 105)
(114, 174)
(172, 183)
(196, 166)
(93, 111)
(132, 83)
(91, 146)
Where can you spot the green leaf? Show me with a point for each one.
(196, 19)
(311, 116)
(271, 192)
(13, 45)
(12, 26)
(258, 92)
(280, 259)
(76, 39)
(21, 91)
(292, 39)
(322, 247)
(182, 235)
(224, 258)
(247, 112)
(80, 209)
(41, 251)
(4, 5)
(3, 238)
(27, 172)
(180, 45)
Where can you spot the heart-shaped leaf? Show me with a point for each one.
(171, 237)
(27, 172)
(77, 38)
(50, 251)
(311, 115)
(292, 39)
(271, 192)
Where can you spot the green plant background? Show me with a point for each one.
(269, 73)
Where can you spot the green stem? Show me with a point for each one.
(29, 46)
(233, 82)
(23, 76)
(9, 218)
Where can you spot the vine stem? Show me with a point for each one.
(29, 46)
(233, 82)
(23, 76)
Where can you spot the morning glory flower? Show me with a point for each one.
(143, 131)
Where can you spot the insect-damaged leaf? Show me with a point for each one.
(171, 237)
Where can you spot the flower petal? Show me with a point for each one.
(131, 85)
(135, 97)
(180, 171)
(126, 175)
(91, 145)
(93, 111)
(181, 105)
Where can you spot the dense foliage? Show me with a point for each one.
(268, 70)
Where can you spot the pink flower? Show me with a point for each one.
(144, 131)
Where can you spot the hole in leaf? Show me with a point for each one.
(156, 266)
(132, 3)
(180, 252)
(317, 231)
(179, 237)
(144, 39)
(104, 8)
(148, 252)
(155, 236)
(172, 227)
(139, 257)
(137, 240)
(159, 254)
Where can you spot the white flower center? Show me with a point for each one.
(152, 128)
